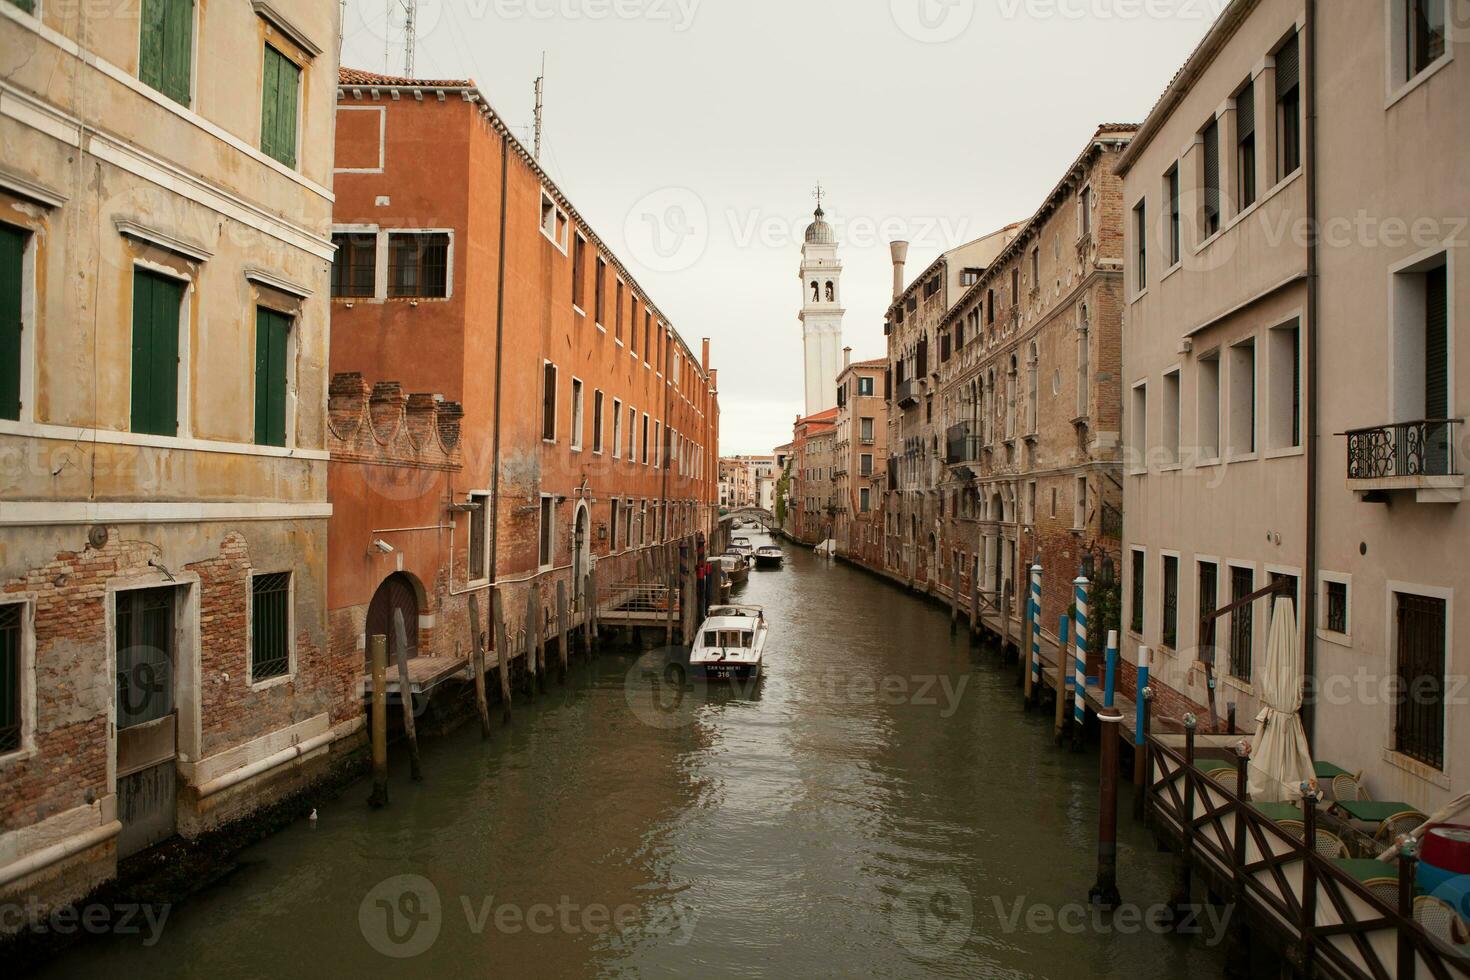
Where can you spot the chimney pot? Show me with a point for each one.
(900, 256)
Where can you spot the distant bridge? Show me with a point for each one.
(761, 516)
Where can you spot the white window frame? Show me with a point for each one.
(290, 674)
(558, 234)
(1398, 83)
(543, 534)
(293, 353)
(1138, 430)
(579, 414)
(1272, 450)
(617, 429)
(1222, 643)
(385, 264)
(26, 673)
(1172, 443)
(1414, 265)
(1139, 589)
(470, 496)
(1178, 600)
(1229, 450)
(28, 308)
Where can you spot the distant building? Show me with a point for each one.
(860, 460)
(811, 510)
(741, 478)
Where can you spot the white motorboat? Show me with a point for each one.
(742, 546)
(730, 645)
(735, 565)
(769, 556)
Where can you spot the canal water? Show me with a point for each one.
(880, 805)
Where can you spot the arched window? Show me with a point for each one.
(816, 292)
(831, 292)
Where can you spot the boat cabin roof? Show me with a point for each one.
(736, 612)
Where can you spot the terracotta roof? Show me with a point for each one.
(830, 415)
(356, 76)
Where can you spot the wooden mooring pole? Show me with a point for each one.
(477, 664)
(1104, 891)
(589, 608)
(405, 696)
(531, 628)
(378, 651)
(502, 649)
(562, 631)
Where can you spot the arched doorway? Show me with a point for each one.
(581, 552)
(396, 593)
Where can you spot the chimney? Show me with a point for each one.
(705, 356)
(900, 256)
(846, 358)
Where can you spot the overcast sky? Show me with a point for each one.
(691, 134)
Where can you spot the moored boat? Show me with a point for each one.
(735, 565)
(741, 546)
(730, 644)
(769, 556)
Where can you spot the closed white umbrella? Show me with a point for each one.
(1281, 761)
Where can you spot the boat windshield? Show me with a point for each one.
(728, 639)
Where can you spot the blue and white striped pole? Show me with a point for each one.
(1079, 686)
(1110, 686)
(1035, 630)
(1138, 726)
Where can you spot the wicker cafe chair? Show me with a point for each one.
(1329, 845)
(1386, 890)
(1225, 777)
(1405, 822)
(1438, 918)
(1295, 828)
(1346, 787)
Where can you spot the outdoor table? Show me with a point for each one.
(1327, 770)
(1372, 811)
(1370, 871)
(1212, 765)
(1279, 811)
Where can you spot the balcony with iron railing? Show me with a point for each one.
(1406, 456)
(962, 444)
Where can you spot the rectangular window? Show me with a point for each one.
(613, 525)
(597, 421)
(11, 710)
(1140, 246)
(479, 522)
(1286, 386)
(865, 430)
(548, 401)
(1421, 348)
(1138, 430)
(13, 243)
(632, 434)
(600, 289)
(1084, 206)
(633, 325)
(617, 432)
(280, 94)
(1210, 221)
(1243, 398)
(579, 271)
(865, 386)
(166, 47)
(865, 464)
(1170, 634)
(658, 445)
(1426, 34)
(1418, 729)
(1079, 503)
(1209, 588)
(618, 311)
(157, 301)
(272, 375)
(1288, 108)
(644, 458)
(1084, 365)
(355, 266)
(1135, 619)
(647, 336)
(1171, 184)
(1169, 417)
(1245, 147)
(1208, 409)
(1015, 285)
(270, 625)
(578, 417)
(1242, 623)
(1036, 268)
(1335, 607)
(418, 265)
(548, 530)
(863, 500)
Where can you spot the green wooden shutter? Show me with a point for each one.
(280, 84)
(12, 260)
(29, 6)
(155, 382)
(272, 336)
(166, 49)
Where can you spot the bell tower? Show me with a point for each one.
(821, 311)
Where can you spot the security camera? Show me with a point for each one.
(382, 547)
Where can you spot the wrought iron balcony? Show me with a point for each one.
(963, 444)
(908, 393)
(1418, 456)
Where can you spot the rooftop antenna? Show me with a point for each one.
(410, 35)
(540, 83)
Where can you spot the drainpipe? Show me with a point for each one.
(499, 348)
(1309, 336)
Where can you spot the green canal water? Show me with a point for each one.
(879, 806)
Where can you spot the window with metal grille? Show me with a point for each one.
(10, 707)
(1211, 216)
(1242, 623)
(1245, 148)
(1171, 601)
(1135, 622)
(270, 625)
(418, 265)
(1335, 611)
(1418, 730)
(354, 268)
(1288, 108)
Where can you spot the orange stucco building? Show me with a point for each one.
(508, 406)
